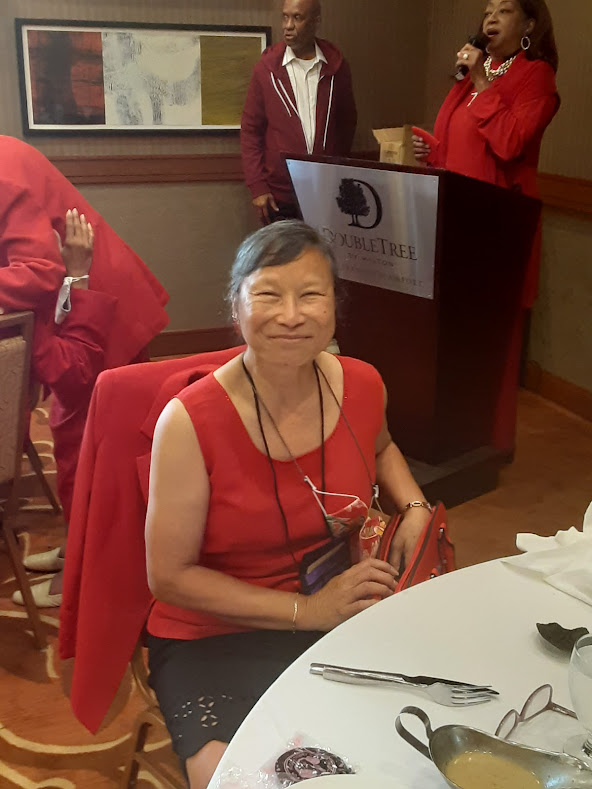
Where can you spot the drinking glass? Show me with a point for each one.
(580, 689)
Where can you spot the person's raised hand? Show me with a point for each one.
(345, 595)
(263, 204)
(472, 58)
(78, 245)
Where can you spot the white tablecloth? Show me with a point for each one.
(476, 625)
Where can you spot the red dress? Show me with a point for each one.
(495, 136)
(41, 191)
(244, 535)
(34, 198)
(68, 359)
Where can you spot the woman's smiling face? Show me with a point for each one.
(287, 313)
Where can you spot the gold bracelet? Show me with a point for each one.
(413, 504)
(295, 613)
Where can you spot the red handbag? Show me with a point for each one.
(433, 554)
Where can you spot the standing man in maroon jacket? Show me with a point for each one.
(300, 101)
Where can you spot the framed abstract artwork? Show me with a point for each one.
(106, 77)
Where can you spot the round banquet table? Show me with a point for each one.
(475, 625)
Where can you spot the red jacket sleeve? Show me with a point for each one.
(252, 138)
(509, 124)
(347, 114)
(31, 268)
(430, 140)
(69, 357)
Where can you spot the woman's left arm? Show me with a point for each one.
(395, 479)
(510, 125)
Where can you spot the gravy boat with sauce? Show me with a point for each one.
(553, 770)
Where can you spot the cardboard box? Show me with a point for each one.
(396, 145)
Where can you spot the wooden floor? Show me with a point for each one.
(547, 488)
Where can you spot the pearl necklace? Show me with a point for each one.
(495, 73)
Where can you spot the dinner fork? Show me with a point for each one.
(445, 692)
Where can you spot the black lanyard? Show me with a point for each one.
(258, 403)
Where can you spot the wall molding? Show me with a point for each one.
(564, 393)
(150, 169)
(557, 191)
(573, 195)
(186, 343)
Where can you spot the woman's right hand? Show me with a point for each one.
(421, 149)
(347, 594)
(77, 251)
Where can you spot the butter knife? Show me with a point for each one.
(363, 676)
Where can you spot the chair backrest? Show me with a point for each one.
(16, 336)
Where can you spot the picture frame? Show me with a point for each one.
(79, 77)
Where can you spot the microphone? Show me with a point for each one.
(475, 41)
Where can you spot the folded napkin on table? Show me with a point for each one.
(564, 561)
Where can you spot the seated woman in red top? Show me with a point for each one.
(490, 127)
(254, 468)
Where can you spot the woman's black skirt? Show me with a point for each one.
(206, 687)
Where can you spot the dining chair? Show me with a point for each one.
(35, 460)
(149, 719)
(33, 482)
(16, 337)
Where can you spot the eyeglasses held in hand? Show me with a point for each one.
(540, 700)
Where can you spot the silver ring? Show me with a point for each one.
(466, 56)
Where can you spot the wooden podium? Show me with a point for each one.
(442, 358)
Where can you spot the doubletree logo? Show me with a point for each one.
(353, 200)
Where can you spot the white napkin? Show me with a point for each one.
(564, 561)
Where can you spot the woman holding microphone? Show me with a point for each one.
(490, 127)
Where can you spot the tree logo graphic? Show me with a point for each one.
(353, 200)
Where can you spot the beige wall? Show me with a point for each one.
(561, 332)
(561, 337)
(187, 234)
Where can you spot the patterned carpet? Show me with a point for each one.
(41, 742)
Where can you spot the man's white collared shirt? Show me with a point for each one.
(304, 76)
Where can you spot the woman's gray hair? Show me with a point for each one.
(276, 245)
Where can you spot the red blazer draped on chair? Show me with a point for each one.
(106, 598)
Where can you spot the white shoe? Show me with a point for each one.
(41, 596)
(48, 562)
